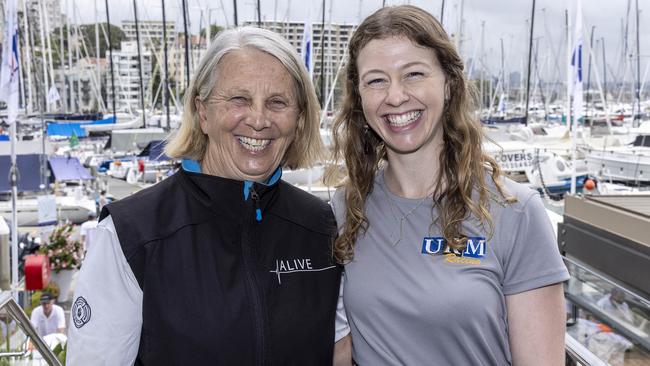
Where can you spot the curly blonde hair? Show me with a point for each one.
(463, 164)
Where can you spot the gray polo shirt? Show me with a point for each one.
(416, 303)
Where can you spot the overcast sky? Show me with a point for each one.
(503, 19)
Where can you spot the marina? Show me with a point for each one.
(87, 108)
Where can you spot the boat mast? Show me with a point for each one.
(330, 61)
(72, 94)
(77, 53)
(42, 47)
(322, 59)
(110, 58)
(28, 58)
(530, 56)
(481, 72)
(187, 46)
(166, 78)
(97, 66)
(234, 4)
(568, 70)
(637, 114)
(137, 41)
(602, 42)
(49, 46)
(65, 98)
(591, 47)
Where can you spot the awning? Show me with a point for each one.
(155, 150)
(55, 128)
(68, 168)
(29, 172)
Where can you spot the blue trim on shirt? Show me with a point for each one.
(248, 184)
(193, 166)
(190, 165)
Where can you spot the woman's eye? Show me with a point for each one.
(414, 75)
(278, 103)
(238, 99)
(376, 82)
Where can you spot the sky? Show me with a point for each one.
(487, 20)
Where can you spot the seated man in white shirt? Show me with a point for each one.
(48, 318)
(614, 304)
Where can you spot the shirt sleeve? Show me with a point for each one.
(106, 315)
(533, 260)
(341, 326)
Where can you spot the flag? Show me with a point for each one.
(53, 95)
(576, 65)
(306, 49)
(74, 140)
(9, 72)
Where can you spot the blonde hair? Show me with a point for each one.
(307, 147)
(463, 163)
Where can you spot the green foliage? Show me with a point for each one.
(87, 31)
(214, 29)
(60, 351)
(63, 252)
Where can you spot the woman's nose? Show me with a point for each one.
(396, 94)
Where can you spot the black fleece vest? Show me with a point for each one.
(219, 286)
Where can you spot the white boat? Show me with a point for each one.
(69, 208)
(305, 176)
(624, 163)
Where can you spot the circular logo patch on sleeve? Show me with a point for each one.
(80, 312)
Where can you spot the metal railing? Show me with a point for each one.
(578, 354)
(8, 304)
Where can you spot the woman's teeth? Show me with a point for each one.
(403, 119)
(253, 144)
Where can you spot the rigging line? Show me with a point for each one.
(157, 57)
(225, 16)
(97, 88)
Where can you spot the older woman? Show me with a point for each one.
(448, 262)
(223, 263)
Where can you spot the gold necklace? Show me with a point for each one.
(403, 218)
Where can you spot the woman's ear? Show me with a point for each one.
(201, 111)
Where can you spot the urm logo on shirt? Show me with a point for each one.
(436, 245)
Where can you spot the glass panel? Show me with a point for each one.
(16, 346)
(608, 319)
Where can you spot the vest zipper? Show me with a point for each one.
(255, 291)
(256, 203)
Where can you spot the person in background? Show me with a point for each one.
(614, 304)
(103, 199)
(447, 262)
(87, 229)
(48, 318)
(222, 263)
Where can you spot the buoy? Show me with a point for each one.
(589, 184)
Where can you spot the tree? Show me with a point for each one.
(87, 32)
(214, 29)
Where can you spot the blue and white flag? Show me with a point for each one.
(306, 50)
(576, 65)
(9, 72)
